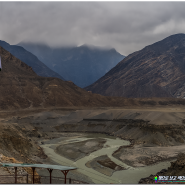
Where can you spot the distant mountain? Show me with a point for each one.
(40, 68)
(157, 70)
(82, 65)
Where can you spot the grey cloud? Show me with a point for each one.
(126, 26)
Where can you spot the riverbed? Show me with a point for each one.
(129, 176)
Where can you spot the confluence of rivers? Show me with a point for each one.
(129, 176)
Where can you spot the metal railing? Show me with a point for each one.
(27, 179)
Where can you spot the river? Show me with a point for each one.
(129, 176)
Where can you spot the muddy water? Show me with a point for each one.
(131, 175)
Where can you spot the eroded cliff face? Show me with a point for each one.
(137, 131)
(157, 70)
(17, 141)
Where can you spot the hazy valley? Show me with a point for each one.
(82, 65)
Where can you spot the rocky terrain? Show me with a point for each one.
(141, 131)
(103, 164)
(31, 60)
(157, 70)
(18, 142)
(77, 150)
(176, 169)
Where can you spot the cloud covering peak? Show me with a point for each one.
(125, 26)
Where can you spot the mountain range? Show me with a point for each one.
(82, 65)
(21, 87)
(158, 70)
(40, 68)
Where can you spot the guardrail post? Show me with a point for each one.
(15, 175)
(27, 178)
(33, 169)
(65, 173)
(50, 171)
(70, 181)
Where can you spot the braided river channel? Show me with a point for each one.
(131, 175)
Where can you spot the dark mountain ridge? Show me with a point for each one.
(157, 70)
(40, 68)
(82, 65)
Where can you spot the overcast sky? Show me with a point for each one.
(125, 26)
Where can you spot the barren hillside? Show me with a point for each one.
(158, 70)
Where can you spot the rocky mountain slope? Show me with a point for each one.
(82, 65)
(157, 70)
(40, 68)
(21, 88)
